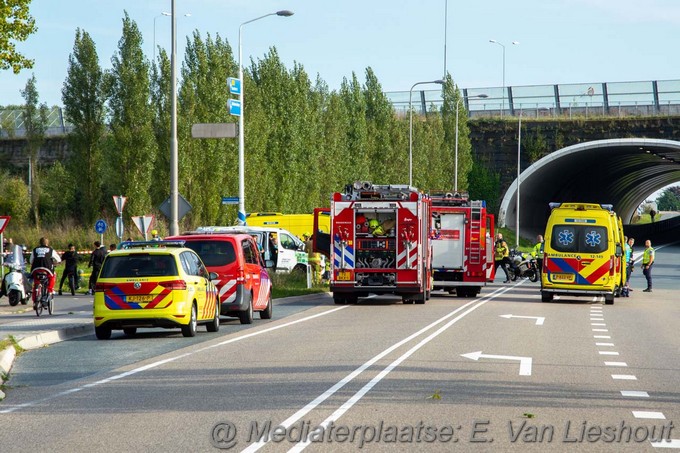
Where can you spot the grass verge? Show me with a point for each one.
(293, 284)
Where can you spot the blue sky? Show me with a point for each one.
(561, 41)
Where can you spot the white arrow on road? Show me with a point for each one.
(524, 362)
(539, 319)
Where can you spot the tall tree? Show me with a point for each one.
(35, 125)
(83, 97)
(161, 103)
(452, 98)
(16, 24)
(131, 154)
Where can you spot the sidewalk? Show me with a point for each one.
(31, 332)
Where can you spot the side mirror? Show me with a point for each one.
(212, 276)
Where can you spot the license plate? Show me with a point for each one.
(139, 299)
(562, 277)
(344, 275)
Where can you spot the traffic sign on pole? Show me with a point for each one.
(119, 201)
(100, 226)
(119, 228)
(4, 220)
(229, 200)
(234, 107)
(234, 85)
(144, 223)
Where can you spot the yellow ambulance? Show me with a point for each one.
(583, 252)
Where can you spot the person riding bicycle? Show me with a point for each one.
(45, 257)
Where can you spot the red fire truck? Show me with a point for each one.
(462, 244)
(379, 243)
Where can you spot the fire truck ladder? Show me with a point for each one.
(476, 231)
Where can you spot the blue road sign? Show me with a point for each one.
(234, 85)
(229, 200)
(100, 226)
(234, 107)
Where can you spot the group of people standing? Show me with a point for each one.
(502, 259)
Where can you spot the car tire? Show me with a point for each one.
(609, 299)
(214, 325)
(246, 316)
(267, 312)
(102, 332)
(14, 297)
(130, 331)
(546, 297)
(190, 329)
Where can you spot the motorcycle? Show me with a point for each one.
(522, 266)
(17, 282)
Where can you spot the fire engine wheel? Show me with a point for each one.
(339, 300)
(406, 300)
(352, 300)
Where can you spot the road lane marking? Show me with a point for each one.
(603, 337)
(328, 393)
(366, 388)
(608, 353)
(674, 443)
(604, 344)
(615, 364)
(649, 415)
(600, 324)
(524, 362)
(634, 394)
(539, 319)
(600, 330)
(162, 362)
(624, 377)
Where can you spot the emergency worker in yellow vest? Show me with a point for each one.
(537, 253)
(502, 256)
(647, 263)
(314, 258)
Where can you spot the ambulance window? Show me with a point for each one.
(579, 239)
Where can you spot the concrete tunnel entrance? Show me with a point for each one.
(622, 172)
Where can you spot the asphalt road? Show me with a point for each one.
(451, 375)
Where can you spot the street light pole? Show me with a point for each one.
(174, 190)
(503, 46)
(519, 145)
(410, 128)
(241, 121)
(455, 172)
(446, 20)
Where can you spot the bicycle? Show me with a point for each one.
(41, 295)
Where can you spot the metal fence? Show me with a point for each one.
(649, 98)
(12, 122)
(585, 100)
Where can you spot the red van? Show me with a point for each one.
(243, 283)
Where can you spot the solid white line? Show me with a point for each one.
(624, 377)
(604, 344)
(604, 337)
(615, 364)
(674, 443)
(600, 330)
(634, 394)
(366, 388)
(601, 324)
(650, 415)
(163, 362)
(608, 353)
(597, 319)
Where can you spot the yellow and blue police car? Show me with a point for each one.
(154, 284)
